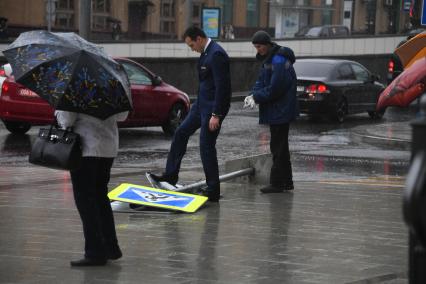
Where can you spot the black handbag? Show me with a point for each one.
(57, 149)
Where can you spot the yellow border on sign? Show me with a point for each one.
(190, 208)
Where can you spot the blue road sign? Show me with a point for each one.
(423, 14)
(149, 196)
(146, 195)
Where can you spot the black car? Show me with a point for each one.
(336, 88)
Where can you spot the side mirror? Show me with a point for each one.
(374, 77)
(157, 80)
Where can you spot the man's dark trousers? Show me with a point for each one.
(192, 122)
(281, 172)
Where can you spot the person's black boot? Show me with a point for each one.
(212, 195)
(114, 253)
(167, 178)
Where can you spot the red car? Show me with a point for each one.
(155, 103)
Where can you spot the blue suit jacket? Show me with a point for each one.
(214, 93)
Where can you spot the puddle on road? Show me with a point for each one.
(311, 168)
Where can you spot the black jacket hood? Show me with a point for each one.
(277, 49)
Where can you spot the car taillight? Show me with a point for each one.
(2, 72)
(391, 66)
(5, 87)
(317, 89)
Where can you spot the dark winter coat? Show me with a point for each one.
(275, 88)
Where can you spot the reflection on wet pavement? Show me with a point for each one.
(342, 223)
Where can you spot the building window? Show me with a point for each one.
(252, 13)
(167, 27)
(167, 17)
(65, 14)
(66, 4)
(167, 8)
(227, 10)
(196, 11)
(100, 14)
(102, 6)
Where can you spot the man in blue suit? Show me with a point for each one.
(206, 114)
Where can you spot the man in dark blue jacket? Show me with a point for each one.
(207, 112)
(275, 92)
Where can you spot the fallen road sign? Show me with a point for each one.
(148, 196)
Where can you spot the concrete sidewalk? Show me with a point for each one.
(323, 232)
(329, 230)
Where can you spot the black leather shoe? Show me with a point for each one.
(89, 262)
(277, 189)
(167, 178)
(114, 254)
(213, 196)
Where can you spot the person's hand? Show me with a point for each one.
(214, 123)
(249, 102)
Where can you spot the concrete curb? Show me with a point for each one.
(376, 140)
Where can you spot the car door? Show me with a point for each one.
(143, 93)
(368, 97)
(351, 87)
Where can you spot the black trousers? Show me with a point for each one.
(90, 186)
(194, 121)
(281, 172)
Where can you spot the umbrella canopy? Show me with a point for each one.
(410, 84)
(412, 50)
(69, 72)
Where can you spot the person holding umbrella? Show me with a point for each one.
(90, 184)
(90, 92)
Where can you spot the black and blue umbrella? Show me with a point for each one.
(69, 72)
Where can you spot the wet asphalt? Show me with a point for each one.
(341, 224)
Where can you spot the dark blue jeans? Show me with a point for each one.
(90, 186)
(194, 121)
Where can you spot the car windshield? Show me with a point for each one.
(313, 69)
(314, 31)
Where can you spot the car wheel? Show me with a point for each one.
(17, 127)
(176, 116)
(376, 114)
(341, 110)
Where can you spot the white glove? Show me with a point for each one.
(249, 102)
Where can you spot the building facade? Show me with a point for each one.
(167, 19)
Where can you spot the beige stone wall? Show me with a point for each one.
(360, 16)
(338, 12)
(263, 14)
(153, 20)
(32, 13)
(239, 17)
(24, 12)
(119, 10)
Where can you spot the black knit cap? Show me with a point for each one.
(261, 37)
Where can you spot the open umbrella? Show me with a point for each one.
(409, 85)
(70, 73)
(412, 50)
